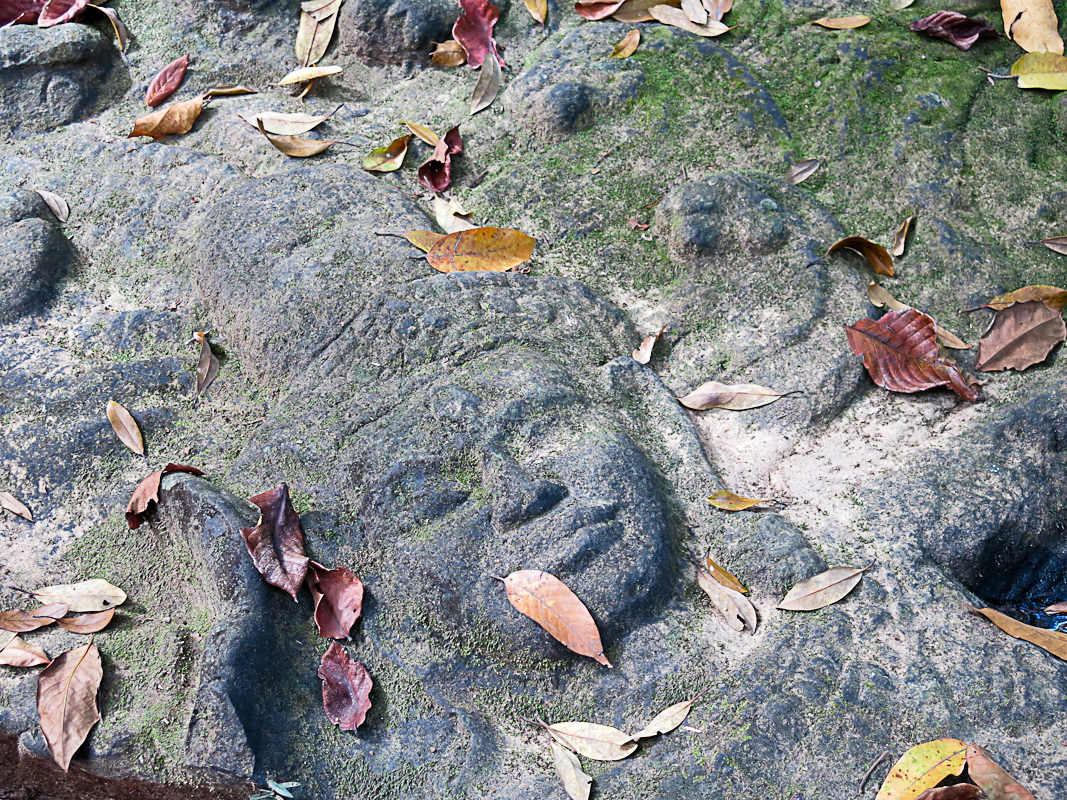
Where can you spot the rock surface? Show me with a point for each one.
(438, 429)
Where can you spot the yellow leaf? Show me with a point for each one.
(424, 133)
(628, 45)
(176, 118)
(315, 31)
(1052, 296)
(1032, 25)
(1041, 71)
(843, 23)
(696, 12)
(923, 767)
(727, 579)
(728, 501)
(538, 9)
(308, 74)
(881, 298)
(389, 158)
(424, 240)
(125, 427)
(490, 249)
(450, 215)
(229, 91)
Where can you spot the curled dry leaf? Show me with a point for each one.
(842, 23)
(207, 366)
(422, 132)
(389, 158)
(436, 172)
(735, 608)
(823, 589)
(551, 604)
(338, 596)
(1056, 608)
(56, 12)
(166, 82)
(993, 779)
(56, 204)
(598, 742)
(881, 298)
(538, 9)
(487, 87)
(10, 503)
(346, 688)
(305, 74)
(1032, 25)
(877, 256)
(92, 595)
(474, 30)
(449, 54)
(727, 579)
(282, 124)
(122, 36)
(66, 700)
(597, 9)
(923, 767)
(1041, 71)
(1023, 334)
(643, 354)
(1054, 642)
(125, 427)
(576, 783)
(87, 623)
(1052, 296)
(667, 720)
(276, 544)
(961, 791)
(728, 501)
(669, 15)
(488, 249)
(147, 492)
(802, 170)
(736, 397)
(296, 146)
(24, 621)
(20, 653)
(628, 46)
(956, 28)
(175, 119)
(900, 238)
(451, 215)
(900, 353)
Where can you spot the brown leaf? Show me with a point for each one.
(1054, 642)
(900, 238)
(643, 354)
(56, 204)
(166, 82)
(880, 298)
(389, 158)
(538, 9)
(900, 353)
(276, 544)
(993, 780)
(636, 225)
(727, 579)
(125, 427)
(842, 23)
(147, 492)
(121, 34)
(92, 595)
(474, 30)
(207, 367)
(669, 15)
(628, 46)
(338, 596)
(637, 10)
(1052, 296)
(736, 397)
(576, 783)
(551, 604)
(55, 12)
(229, 91)
(449, 54)
(961, 791)
(424, 240)
(9, 502)
(735, 608)
(728, 501)
(668, 719)
(877, 256)
(346, 688)
(488, 249)
(175, 119)
(598, 742)
(87, 623)
(282, 124)
(20, 653)
(305, 74)
(315, 32)
(1022, 335)
(66, 700)
(1057, 244)
(1032, 25)
(695, 11)
(802, 170)
(24, 621)
(487, 87)
(436, 172)
(1057, 608)
(296, 146)
(956, 28)
(421, 131)
(823, 589)
(597, 9)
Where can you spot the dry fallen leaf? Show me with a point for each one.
(424, 133)
(147, 492)
(229, 91)
(1054, 642)
(20, 653)
(881, 298)
(1057, 608)
(166, 82)
(424, 240)
(727, 579)
(923, 767)
(993, 779)
(960, 791)
(125, 427)
(489, 249)
(669, 15)
(628, 46)
(56, 12)
(643, 354)
(955, 28)
(802, 170)
(9, 502)
(576, 783)
(1052, 296)
(695, 11)
(121, 34)
(87, 623)
(1057, 244)
(551, 604)
(276, 544)
(389, 158)
(538, 9)
(597, 9)
(346, 688)
(668, 719)
(305, 74)
(318, 21)
(207, 366)
(1032, 25)
(598, 742)
(1023, 334)
(56, 204)
(175, 119)
(474, 30)
(92, 595)
(735, 608)
(1041, 71)
(877, 256)
(285, 124)
(449, 54)
(21, 621)
(637, 10)
(717, 8)
(737, 397)
(823, 589)
(487, 87)
(451, 215)
(842, 23)
(296, 146)
(900, 238)
(66, 700)
(728, 501)
(338, 596)
(436, 172)
(900, 353)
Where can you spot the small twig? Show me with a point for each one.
(993, 74)
(867, 777)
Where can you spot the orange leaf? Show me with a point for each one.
(1052, 296)
(876, 255)
(728, 501)
(1053, 641)
(66, 700)
(448, 54)
(628, 46)
(490, 249)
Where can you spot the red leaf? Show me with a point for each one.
(474, 30)
(57, 11)
(597, 9)
(338, 598)
(436, 172)
(346, 686)
(956, 28)
(20, 11)
(166, 82)
(900, 353)
(276, 544)
(147, 492)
